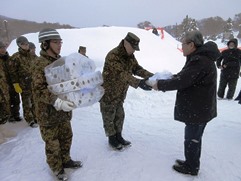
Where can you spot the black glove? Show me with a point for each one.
(144, 86)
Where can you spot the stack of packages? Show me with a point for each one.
(73, 78)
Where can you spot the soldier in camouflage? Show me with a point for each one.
(82, 51)
(4, 88)
(14, 103)
(5, 110)
(20, 72)
(118, 74)
(32, 49)
(53, 114)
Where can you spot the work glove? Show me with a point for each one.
(63, 105)
(144, 86)
(17, 88)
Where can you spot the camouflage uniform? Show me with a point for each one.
(54, 125)
(20, 72)
(4, 91)
(118, 74)
(14, 97)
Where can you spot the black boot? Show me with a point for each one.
(114, 143)
(185, 169)
(15, 119)
(18, 119)
(180, 162)
(122, 140)
(238, 98)
(62, 175)
(72, 164)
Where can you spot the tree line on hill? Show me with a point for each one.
(212, 28)
(12, 28)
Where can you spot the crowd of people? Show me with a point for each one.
(22, 76)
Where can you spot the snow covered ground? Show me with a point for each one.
(157, 140)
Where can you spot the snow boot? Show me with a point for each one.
(238, 98)
(62, 175)
(15, 119)
(114, 143)
(72, 164)
(33, 124)
(185, 169)
(180, 162)
(122, 140)
(18, 119)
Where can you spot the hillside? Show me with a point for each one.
(11, 28)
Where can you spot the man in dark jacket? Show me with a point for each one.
(118, 74)
(196, 96)
(229, 63)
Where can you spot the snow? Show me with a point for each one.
(157, 140)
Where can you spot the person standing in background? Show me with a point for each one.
(229, 63)
(14, 96)
(5, 107)
(20, 72)
(32, 49)
(82, 51)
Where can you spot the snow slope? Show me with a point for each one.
(157, 140)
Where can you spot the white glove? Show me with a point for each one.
(63, 105)
(151, 82)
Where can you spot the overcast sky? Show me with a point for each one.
(92, 13)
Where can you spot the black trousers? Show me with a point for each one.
(193, 144)
(223, 83)
(15, 103)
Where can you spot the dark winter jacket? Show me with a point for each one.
(118, 74)
(230, 61)
(44, 100)
(196, 84)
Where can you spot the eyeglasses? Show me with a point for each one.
(186, 43)
(24, 44)
(57, 42)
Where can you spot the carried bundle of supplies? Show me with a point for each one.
(73, 78)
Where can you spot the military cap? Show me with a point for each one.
(82, 48)
(21, 39)
(133, 40)
(31, 45)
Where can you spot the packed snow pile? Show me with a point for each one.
(74, 78)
